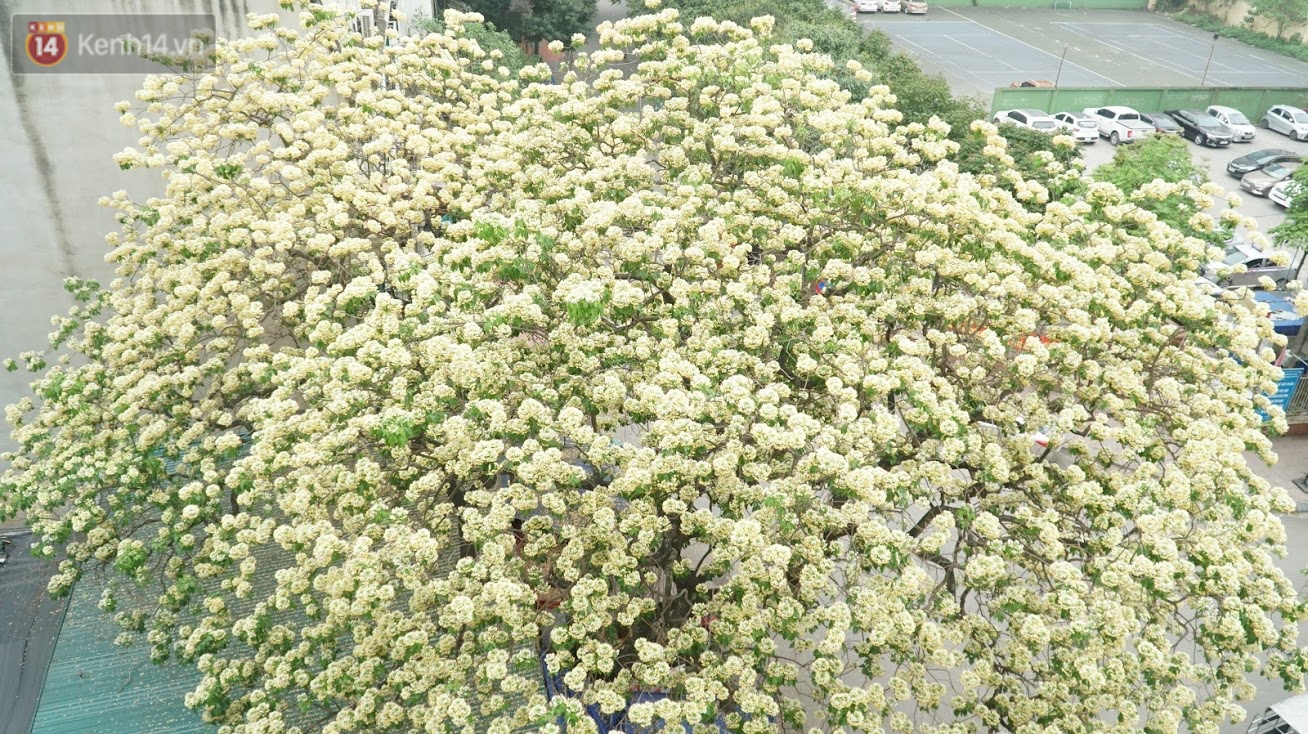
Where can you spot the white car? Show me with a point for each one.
(1283, 192)
(1082, 127)
(1119, 124)
(1243, 130)
(867, 6)
(1285, 119)
(1034, 119)
(890, 6)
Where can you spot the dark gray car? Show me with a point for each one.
(1162, 122)
(1260, 159)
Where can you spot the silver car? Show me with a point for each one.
(1261, 181)
(1256, 263)
(1285, 119)
(1285, 192)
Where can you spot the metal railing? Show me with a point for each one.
(1299, 401)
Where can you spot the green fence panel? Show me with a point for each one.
(1017, 99)
(1248, 101)
(1181, 99)
(1078, 99)
(1292, 97)
(1144, 100)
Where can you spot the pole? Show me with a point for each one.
(1060, 66)
(436, 13)
(1210, 59)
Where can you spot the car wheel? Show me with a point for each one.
(1114, 138)
(1264, 123)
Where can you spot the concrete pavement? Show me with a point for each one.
(1291, 465)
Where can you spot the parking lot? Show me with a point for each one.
(1214, 161)
(978, 49)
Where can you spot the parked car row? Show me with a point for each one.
(1263, 170)
(912, 7)
(1217, 126)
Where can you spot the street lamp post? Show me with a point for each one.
(1210, 59)
(1059, 75)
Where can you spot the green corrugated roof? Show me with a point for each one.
(97, 687)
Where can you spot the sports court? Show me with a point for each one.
(978, 49)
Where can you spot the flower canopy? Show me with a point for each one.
(676, 372)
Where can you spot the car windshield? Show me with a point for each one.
(1234, 257)
(1208, 122)
(1043, 125)
(1277, 170)
(1238, 118)
(1263, 156)
(1082, 122)
(1300, 116)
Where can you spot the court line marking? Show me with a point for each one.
(1111, 82)
(945, 67)
(1218, 68)
(1234, 54)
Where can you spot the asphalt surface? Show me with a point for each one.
(978, 49)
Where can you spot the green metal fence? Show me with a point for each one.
(1251, 101)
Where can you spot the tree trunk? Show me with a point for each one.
(381, 16)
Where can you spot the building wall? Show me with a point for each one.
(1236, 13)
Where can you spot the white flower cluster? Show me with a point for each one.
(696, 377)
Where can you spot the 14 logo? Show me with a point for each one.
(46, 43)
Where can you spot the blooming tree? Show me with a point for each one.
(426, 388)
(1163, 158)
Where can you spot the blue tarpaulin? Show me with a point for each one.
(1284, 318)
